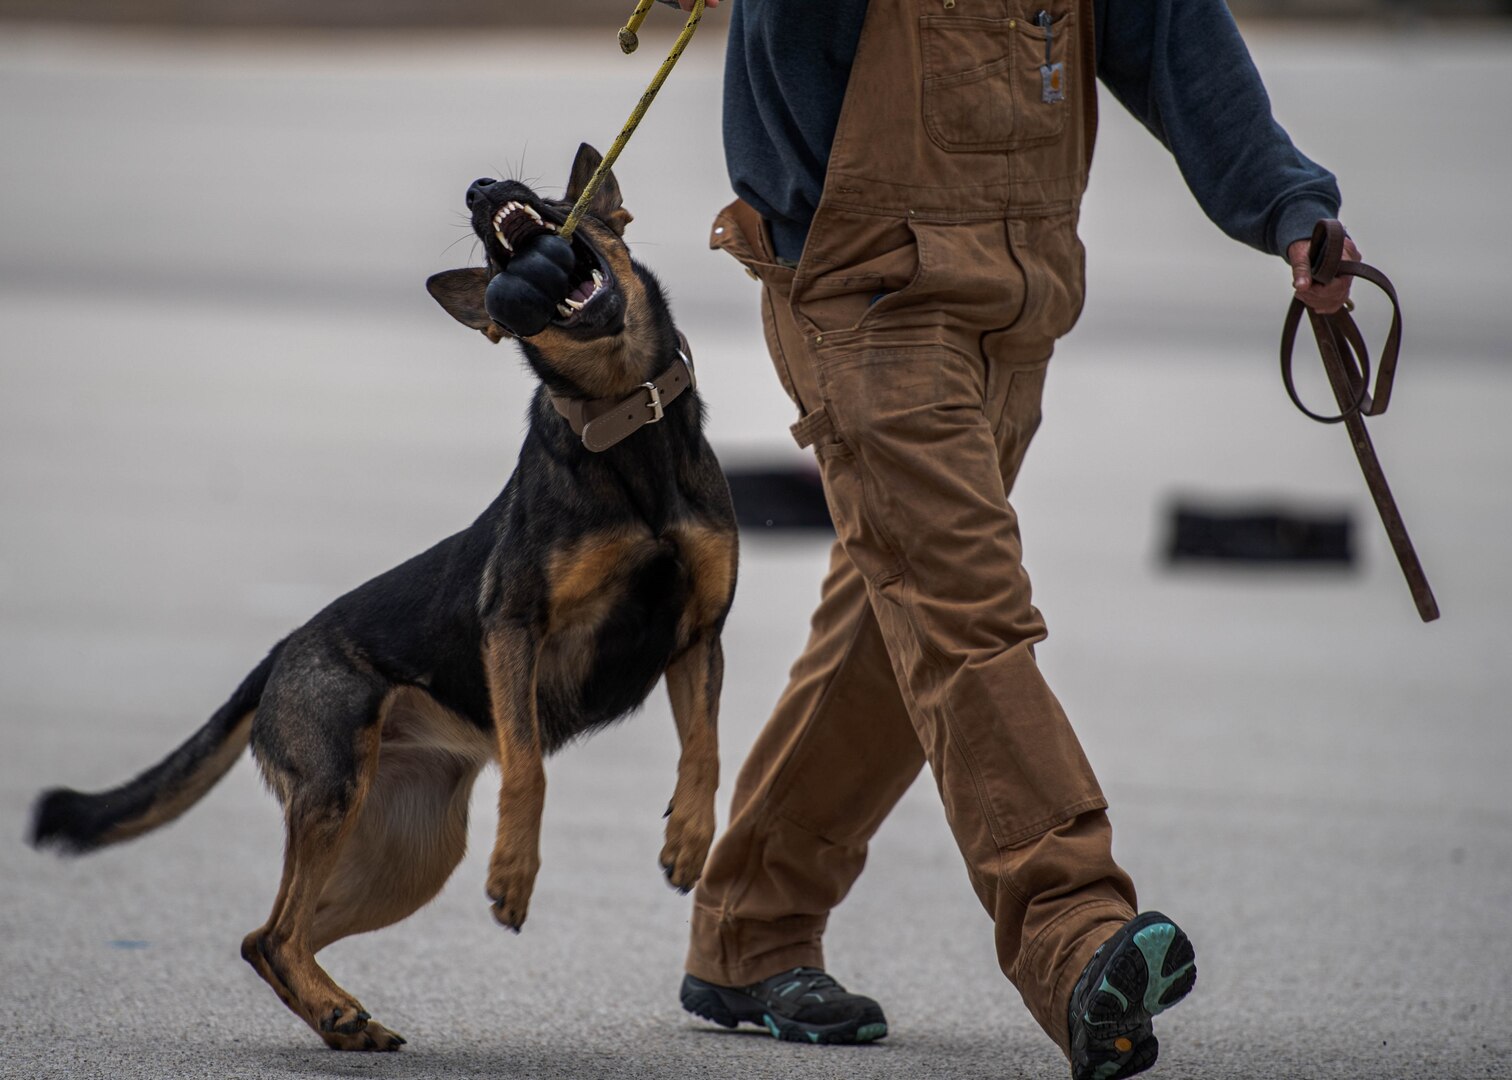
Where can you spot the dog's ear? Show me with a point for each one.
(607, 205)
(460, 292)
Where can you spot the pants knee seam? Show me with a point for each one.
(1044, 825)
(804, 826)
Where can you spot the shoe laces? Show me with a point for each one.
(801, 982)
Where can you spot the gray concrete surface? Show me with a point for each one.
(224, 398)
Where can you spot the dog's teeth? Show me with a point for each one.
(531, 211)
(563, 310)
(598, 279)
(573, 304)
(507, 245)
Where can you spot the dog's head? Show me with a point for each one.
(604, 338)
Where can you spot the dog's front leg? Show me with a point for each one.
(693, 683)
(510, 656)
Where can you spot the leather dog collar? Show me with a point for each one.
(603, 422)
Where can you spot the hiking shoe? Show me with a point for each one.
(801, 1005)
(1142, 970)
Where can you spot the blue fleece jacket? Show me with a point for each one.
(1179, 66)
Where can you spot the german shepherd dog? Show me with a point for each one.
(554, 614)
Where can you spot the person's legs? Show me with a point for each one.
(919, 432)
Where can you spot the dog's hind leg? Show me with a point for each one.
(316, 737)
(412, 829)
(410, 835)
(693, 684)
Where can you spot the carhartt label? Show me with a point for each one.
(1053, 83)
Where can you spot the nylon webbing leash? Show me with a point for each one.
(628, 41)
(1346, 360)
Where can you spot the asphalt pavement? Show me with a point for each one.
(225, 398)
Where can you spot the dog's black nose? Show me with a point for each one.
(475, 190)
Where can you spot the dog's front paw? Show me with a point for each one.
(510, 883)
(687, 846)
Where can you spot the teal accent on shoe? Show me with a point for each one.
(1111, 989)
(813, 1036)
(1155, 941)
(1106, 986)
(1107, 1069)
(868, 1032)
(771, 1025)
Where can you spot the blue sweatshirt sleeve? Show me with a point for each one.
(1182, 69)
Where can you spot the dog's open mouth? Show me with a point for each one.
(516, 226)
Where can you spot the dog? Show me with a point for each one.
(607, 562)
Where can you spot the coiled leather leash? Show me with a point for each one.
(1346, 360)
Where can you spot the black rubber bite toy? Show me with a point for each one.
(517, 305)
(537, 266)
(538, 277)
(554, 248)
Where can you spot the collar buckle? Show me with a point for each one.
(655, 404)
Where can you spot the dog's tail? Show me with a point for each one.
(76, 822)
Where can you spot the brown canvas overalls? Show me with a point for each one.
(913, 335)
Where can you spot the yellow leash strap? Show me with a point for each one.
(628, 42)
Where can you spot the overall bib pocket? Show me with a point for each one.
(995, 84)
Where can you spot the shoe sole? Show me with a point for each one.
(729, 1008)
(1150, 967)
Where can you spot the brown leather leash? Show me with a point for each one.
(1346, 360)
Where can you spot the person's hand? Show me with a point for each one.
(1324, 299)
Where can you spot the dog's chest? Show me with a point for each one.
(620, 604)
(684, 573)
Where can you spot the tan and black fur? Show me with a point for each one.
(556, 612)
